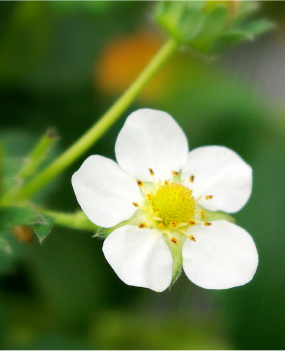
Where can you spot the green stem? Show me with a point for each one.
(77, 220)
(93, 134)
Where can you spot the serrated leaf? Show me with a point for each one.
(228, 40)
(5, 246)
(43, 228)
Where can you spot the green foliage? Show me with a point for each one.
(209, 27)
(18, 216)
(5, 246)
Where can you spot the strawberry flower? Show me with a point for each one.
(161, 204)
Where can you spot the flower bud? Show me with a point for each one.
(210, 27)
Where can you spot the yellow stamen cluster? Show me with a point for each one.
(174, 204)
(171, 207)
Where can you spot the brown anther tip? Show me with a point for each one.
(175, 173)
(191, 237)
(151, 171)
(192, 222)
(139, 183)
(207, 224)
(173, 224)
(208, 197)
(142, 225)
(192, 177)
(136, 204)
(173, 240)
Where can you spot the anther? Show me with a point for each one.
(136, 204)
(151, 171)
(175, 173)
(139, 183)
(173, 240)
(208, 197)
(149, 197)
(161, 225)
(203, 214)
(191, 179)
(207, 224)
(191, 237)
(166, 183)
(192, 222)
(142, 225)
(173, 224)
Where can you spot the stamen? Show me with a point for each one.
(142, 225)
(161, 225)
(173, 224)
(149, 197)
(166, 183)
(191, 179)
(136, 204)
(192, 222)
(207, 224)
(175, 173)
(151, 171)
(173, 240)
(139, 183)
(208, 197)
(191, 237)
(203, 214)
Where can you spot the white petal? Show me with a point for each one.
(223, 256)
(105, 192)
(222, 173)
(151, 139)
(140, 257)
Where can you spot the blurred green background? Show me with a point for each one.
(62, 64)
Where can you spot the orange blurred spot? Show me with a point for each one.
(124, 59)
(23, 234)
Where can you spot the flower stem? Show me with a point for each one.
(77, 220)
(99, 128)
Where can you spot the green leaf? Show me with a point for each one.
(258, 27)
(13, 216)
(229, 39)
(5, 246)
(213, 25)
(245, 10)
(43, 228)
(181, 19)
(16, 216)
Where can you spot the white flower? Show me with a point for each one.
(167, 196)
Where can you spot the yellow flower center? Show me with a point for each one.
(174, 204)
